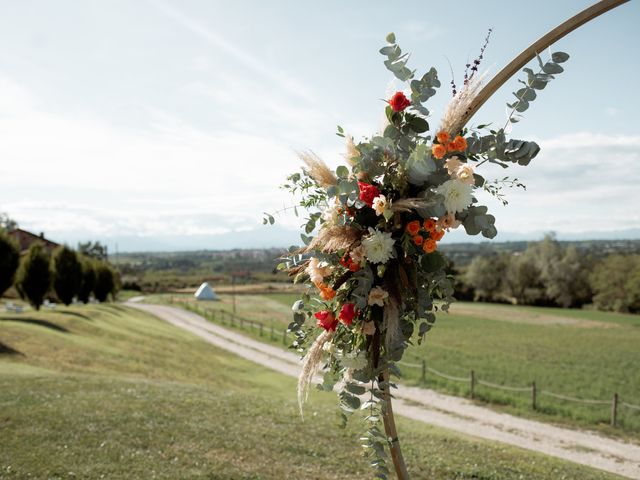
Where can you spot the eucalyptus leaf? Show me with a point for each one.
(559, 57)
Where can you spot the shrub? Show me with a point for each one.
(33, 278)
(88, 279)
(105, 284)
(67, 274)
(615, 282)
(9, 261)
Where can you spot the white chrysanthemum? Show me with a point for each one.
(457, 195)
(358, 255)
(378, 246)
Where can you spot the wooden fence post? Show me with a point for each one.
(424, 371)
(272, 337)
(284, 337)
(614, 410)
(241, 322)
(261, 333)
(533, 395)
(472, 384)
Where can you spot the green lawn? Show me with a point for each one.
(110, 392)
(579, 353)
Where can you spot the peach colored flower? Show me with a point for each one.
(317, 270)
(418, 239)
(379, 204)
(465, 174)
(357, 255)
(377, 296)
(369, 328)
(452, 165)
(447, 222)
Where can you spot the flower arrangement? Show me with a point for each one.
(375, 278)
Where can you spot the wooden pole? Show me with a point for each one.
(472, 384)
(424, 371)
(533, 395)
(390, 428)
(614, 410)
(530, 52)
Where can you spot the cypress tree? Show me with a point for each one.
(88, 279)
(33, 278)
(9, 260)
(105, 281)
(67, 274)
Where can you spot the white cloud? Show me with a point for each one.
(579, 182)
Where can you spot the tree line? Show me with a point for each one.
(65, 273)
(547, 273)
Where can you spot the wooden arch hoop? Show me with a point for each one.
(487, 91)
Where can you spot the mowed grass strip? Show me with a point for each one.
(109, 392)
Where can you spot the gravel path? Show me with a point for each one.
(434, 408)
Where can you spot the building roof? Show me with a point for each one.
(25, 239)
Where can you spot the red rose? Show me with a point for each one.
(368, 192)
(399, 102)
(326, 320)
(347, 312)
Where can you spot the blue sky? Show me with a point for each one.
(156, 124)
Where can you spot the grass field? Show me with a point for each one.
(109, 392)
(579, 353)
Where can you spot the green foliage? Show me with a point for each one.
(9, 260)
(67, 274)
(33, 278)
(94, 250)
(535, 81)
(616, 283)
(486, 275)
(7, 223)
(88, 279)
(545, 273)
(105, 281)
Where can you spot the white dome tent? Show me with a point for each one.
(205, 292)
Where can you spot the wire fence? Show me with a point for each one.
(233, 320)
(472, 380)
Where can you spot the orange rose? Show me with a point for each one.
(429, 224)
(443, 137)
(413, 228)
(460, 143)
(429, 245)
(438, 150)
(327, 293)
(417, 239)
(437, 235)
(451, 147)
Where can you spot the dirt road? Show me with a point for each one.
(431, 407)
